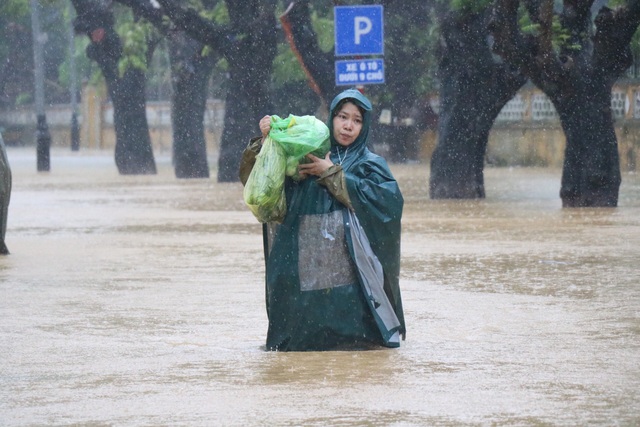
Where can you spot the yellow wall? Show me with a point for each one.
(525, 141)
(531, 142)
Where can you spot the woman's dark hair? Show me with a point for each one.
(338, 107)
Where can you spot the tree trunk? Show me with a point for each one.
(190, 73)
(250, 58)
(474, 88)
(591, 169)
(458, 160)
(133, 153)
(241, 118)
(248, 44)
(577, 78)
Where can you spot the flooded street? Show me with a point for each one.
(139, 301)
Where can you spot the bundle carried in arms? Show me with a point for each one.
(286, 146)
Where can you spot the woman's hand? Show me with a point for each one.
(317, 166)
(265, 126)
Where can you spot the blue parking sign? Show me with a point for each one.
(359, 30)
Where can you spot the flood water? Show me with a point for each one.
(139, 301)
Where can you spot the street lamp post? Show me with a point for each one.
(73, 88)
(43, 139)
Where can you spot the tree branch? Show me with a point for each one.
(508, 40)
(145, 9)
(198, 28)
(614, 30)
(532, 55)
(316, 64)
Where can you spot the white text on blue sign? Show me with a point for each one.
(359, 72)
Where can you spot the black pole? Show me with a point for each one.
(75, 131)
(43, 139)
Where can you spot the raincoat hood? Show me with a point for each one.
(358, 147)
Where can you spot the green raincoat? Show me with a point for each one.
(333, 264)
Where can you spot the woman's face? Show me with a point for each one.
(347, 124)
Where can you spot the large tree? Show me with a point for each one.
(191, 66)
(190, 71)
(16, 56)
(474, 86)
(575, 60)
(133, 153)
(247, 41)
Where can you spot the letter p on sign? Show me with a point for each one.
(361, 26)
(359, 30)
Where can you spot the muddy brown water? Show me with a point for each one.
(139, 301)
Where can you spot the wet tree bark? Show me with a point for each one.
(13, 79)
(250, 59)
(591, 168)
(190, 73)
(248, 44)
(474, 88)
(577, 77)
(133, 153)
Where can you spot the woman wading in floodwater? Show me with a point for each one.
(333, 265)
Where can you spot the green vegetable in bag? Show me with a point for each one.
(286, 146)
(264, 190)
(299, 136)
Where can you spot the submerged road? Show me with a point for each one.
(139, 301)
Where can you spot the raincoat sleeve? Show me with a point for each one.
(334, 180)
(249, 158)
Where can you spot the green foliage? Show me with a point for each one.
(218, 14)
(16, 49)
(11, 11)
(134, 48)
(323, 26)
(158, 84)
(424, 42)
(24, 99)
(206, 50)
(82, 63)
(286, 67)
(635, 44)
(560, 36)
(135, 37)
(469, 6)
(14, 8)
